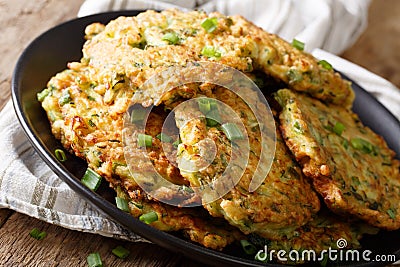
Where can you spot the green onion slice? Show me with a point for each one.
(138, 115)
(37, 234)
(122, 204)
(91, 179)
(338, 128)
(325, 64)
(298, 44)
(149, 217)
(210, 51)
(297, 127)
(171, 37)
(120, 252)
(248, 248)
(145, 140)
(213, 118)
(94, 260)
(164, 138)
(65, 98)
(232, 131)
(204, 105)
(294, 75)
(345, 144)
(391, 213)
(210, 24)
(177, 142)
(361, 144)
(42, 95)
(207, 104)
(60, 155)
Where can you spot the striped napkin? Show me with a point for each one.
(27, 185)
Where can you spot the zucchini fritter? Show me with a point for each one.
(350, 166)
(137, 47)
(283, 202)
(91, 129)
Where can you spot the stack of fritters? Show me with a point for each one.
(322, 149)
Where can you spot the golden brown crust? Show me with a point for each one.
(284, 201)
(351, 166)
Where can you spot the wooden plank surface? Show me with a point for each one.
(21, 22)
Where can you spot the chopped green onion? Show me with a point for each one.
(325, 64)
(94, 260)
(138, 115)
(186, 189)
(164, 137)
(37, 234)
(34, 232)
(338, 128)
(149, 217)
(361, 144)
(120, 252)
(232, 131)
(213, 118)
(60, 155)
(91, 179)
(213, 104)
(145, 140)
(210, 24)
(138, 205)
(298, 44)
(391, 213)
(210, 51)
(294, 75)
(248, 248)
(42, 95)
(171, 37)
(345, 144)
(122, 204)
(297, 128)
(177, 142)
(65, 98)
(204, 105)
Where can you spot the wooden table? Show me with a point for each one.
(21, 22)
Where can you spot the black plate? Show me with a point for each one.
(49, 54)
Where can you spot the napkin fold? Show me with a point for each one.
(27, 185)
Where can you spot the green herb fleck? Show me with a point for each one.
(298, 44)
(325, 64)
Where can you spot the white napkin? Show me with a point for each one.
(28, 186)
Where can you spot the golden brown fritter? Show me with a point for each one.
(92, 130)
(350, 166)
(282, 203)
(137, 47)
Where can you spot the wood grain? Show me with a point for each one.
(377, 49)
(63, 247)
(21, 22)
